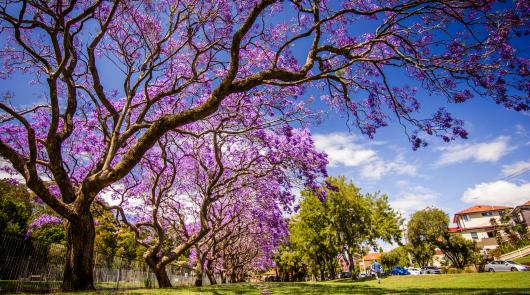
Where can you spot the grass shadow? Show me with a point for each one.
(339, 289)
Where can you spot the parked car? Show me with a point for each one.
(400, 271)
(272, 278)
(430, 270)
(505, 265)
(414, 271)
(344, 275)
(362, 275)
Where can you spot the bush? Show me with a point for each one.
(451, 270)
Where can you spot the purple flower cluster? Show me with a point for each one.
(44, 220)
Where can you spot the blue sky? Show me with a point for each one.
(491, 167)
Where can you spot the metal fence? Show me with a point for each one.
(36, 267)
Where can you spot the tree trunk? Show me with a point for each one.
(211, 277)
(162, 278)
(79, 265)
(351, 266)
(160, 271)
(198, 280)
(198, 268)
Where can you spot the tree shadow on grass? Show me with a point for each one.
(222, 289)
(304, 288)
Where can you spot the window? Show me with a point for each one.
(489, 213)
(491, 234)
(474, 236)
(466, 217)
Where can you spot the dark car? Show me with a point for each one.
(272, 279)
(399, 271)
(345, 275)
(430, 270)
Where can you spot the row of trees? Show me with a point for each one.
(117, 84)
(224, 215)
(428, 230)
(328, 234)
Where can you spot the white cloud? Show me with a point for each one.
(378, 168)
(521, 130)
(5, 166)
(516, 168)
(497, 193)
(412, 198)
(343, 150)
(479, 152)
(409, 202)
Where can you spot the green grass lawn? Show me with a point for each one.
(472, 283)
(467, 283)
(523, 260)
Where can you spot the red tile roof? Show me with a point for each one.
(372, 256)
(482, 208)
(527, 203)
(453, 229)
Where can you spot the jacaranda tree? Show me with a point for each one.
(116, 76)
(192, 187)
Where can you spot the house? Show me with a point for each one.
(438, 258)
(521, 214)
(474, 224)
(368, 259)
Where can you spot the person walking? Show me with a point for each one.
(377, 268)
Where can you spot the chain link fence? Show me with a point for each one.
(32, 266)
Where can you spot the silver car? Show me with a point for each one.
(505, 265)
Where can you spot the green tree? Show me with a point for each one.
(398, 256)
(15, 208)
(289, 263)
(360, 220)
(313, 235)
(346, 223)
(458, 250)
(114, 240)
(50, 232)
(421, 253)
(429, 228)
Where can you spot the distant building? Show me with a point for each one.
(368, 259)
(474, 224)
(438, 258)
(521, 214)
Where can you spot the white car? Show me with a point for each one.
(505, 265)
(414, 271)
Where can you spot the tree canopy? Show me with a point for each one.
(116, 77)
(15, 208)
(429, 229)
(341, 227)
